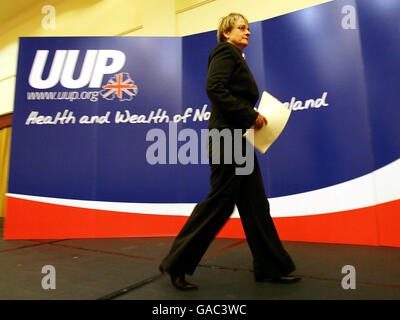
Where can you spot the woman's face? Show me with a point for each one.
(239, 35)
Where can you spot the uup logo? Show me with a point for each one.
(95, 65)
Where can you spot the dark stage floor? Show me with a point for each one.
(127, 269)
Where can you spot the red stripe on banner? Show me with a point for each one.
(375, 225)
(26, 219)
(348, 227)
(389, 223)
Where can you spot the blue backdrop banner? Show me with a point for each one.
(87, 109)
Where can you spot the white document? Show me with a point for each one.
(277, 116)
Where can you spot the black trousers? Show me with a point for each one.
(209, 216)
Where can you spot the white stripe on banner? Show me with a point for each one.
(371, 189)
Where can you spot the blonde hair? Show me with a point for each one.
(227, 23)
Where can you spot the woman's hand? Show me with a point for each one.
(260, 121)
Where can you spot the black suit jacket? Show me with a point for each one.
(231, 88)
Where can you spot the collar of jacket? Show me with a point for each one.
(238, 49)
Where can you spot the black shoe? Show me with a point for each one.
(180, 283)
(282, 279)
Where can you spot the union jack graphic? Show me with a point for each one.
(121, 86)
